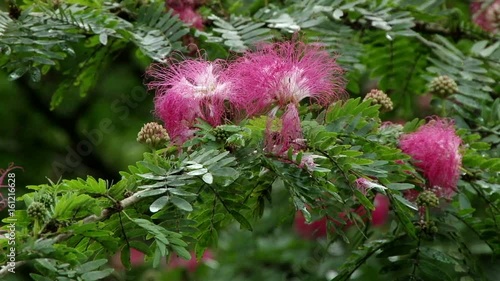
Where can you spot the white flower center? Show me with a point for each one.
(206, 84)
(294, 86)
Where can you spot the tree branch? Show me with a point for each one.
(106, 213)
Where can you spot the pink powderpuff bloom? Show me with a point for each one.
(290, 134)
(180, 4)
(188, 90)
(285, 73)
(487, 17)
(136, 259)
(380, 215)
(192, 264)
(364, 185)
(318, 228)
(434, 148)
(3, 176)
(186, 9)
(313, 230)
(191, 17)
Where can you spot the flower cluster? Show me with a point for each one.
(443, 86)
(434, 149)
(379, 97)
(137, 260)
(36, 210)
(189, 90)
(271, 81)
(318, 228)
(3, 176)
(152, 134)
(277, 77)
(286, 73)
(427, 198)
(186, 9)
(487, 17)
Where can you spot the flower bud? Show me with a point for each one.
(443, 86)
(220, 134)
(36, 210)
(152, 134)
(379, 97)
(427, 198)
(46, 199)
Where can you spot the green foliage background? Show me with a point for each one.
(74, 69)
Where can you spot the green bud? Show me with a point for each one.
(37, 210)
(379, 97)
(153, 134)
(443, 86)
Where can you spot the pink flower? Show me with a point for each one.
(3, 175)
(286, 73)
(364, 185)
(136, 259)
(487, 17)
(191, 17)
(192, 264)
(290, 134)
(315, 229)
(188, 90)
(434, 148)
(180, 4)
(186, 9)
(381, 213)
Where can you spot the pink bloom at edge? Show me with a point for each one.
(136, 259)
(3, 175)
(381, 213)
(191, 17)
(315, 229)
(285, 73)
(318, 228)
(188, 90)
(186, 9)
(192, 264)
(487, 17)
(290, 135)
(434, 148)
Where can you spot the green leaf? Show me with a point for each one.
(153, 168)
(406, 202)
(38, 277)
(241, 219)
(400, 186)
(92, 265)
(181, 204)
(48, 265)
(182, 252)
(158, 204)
(97, 275)
(18, 73)
(208, 178)
(125, 257)
(152, 192)
(103, 38)
(437, 255)
(150, 176)
(198, 172)
(227, 172)
(67, 205)
(181, 192)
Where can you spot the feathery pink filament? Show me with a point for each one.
(435, 151)
(188, 90)
(290, 134)
(284, 73)
(486, 17)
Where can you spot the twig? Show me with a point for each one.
(106, 213)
